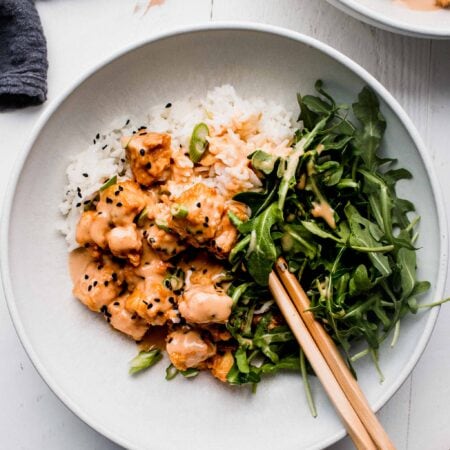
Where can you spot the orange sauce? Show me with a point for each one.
(420, 5)
(78, 261)
(324, 210)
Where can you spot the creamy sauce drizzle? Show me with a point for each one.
(78, 261)
(325, 211)
(420, 5)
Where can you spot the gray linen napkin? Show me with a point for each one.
(23, 55)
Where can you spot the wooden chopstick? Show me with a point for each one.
(333, 358)
(352, 422)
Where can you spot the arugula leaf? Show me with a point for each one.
(367, 140)
(362, 239)
(262, 251)
(264, 162)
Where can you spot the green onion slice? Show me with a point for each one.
(144, 360)
(179, 211)
(110, 182)
(198, 143)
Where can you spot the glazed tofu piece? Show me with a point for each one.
(122, 202)
(153, 301)
(187, 349)
(203, 208)
(92, 229)
(226, 234)
(99, 284)
(221, 364)
(203, 270)
(126, 242)
(166, 244)
(205, 304)
(149, 155)
(123, 320)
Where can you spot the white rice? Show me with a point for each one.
(219, 109)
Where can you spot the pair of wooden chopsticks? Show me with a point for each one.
(343, 390)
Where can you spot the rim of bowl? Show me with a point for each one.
(201, 27)
(383, 21)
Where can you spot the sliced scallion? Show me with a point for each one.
(198, 143)
(144, 360)
(179, 211)
(110, 182)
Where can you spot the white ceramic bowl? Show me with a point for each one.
(392, 16)
(80, 357)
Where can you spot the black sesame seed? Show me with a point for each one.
(106, 285)
(108, 200)
(150, 306)
(85, 175)
(103, 148)
(142, 152)
(78, 205)
(171, 300)
(114, 276)
(170, 340)
(103, 309)
(198, 205)
(116, 193)
(115, 303)
(86, 202)
(148, 166)
(94, 141)
(120, 188)
(97, 136)
(127, 122)
(122, 159)
(119, 204)
(86, 277)
(169, 105)
(95, 283)
(89, 288)
(204, 271)
(79, 194)
(206, 219)
(159, 313)
(142, 134)
(133, 317)
(205, 225)
(157, 300)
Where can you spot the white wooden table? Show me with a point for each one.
(82, 32)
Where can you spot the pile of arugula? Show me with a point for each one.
(359, 270)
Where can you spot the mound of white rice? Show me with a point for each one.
(220, 109)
